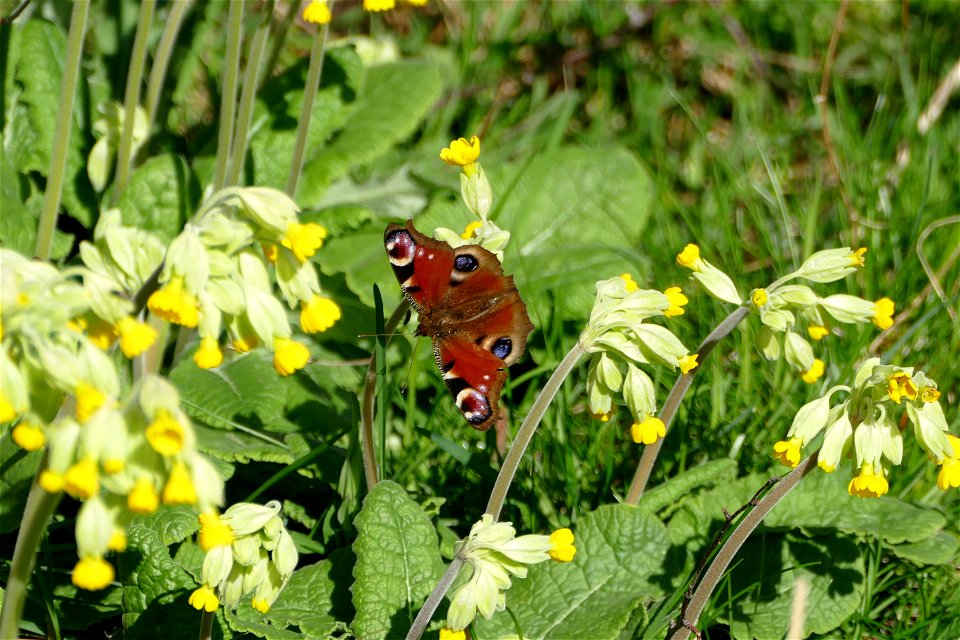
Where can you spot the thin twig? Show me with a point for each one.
(15, 13)
(938, 101)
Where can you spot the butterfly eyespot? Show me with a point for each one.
(473, 405)
(502, 348)
(466, 262)
(401, 247)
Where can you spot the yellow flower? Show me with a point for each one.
(856, 258)
(883, 313)
(868, 484)
(118, 541)
(319, 314)
(171, 303)
(214, 532)
(648, 431)
(317, 12)
(814, 372)
(689, 257)
(631, 283)
(89, 399)
(461, 153)
(289, 356)
(949, 475)
(244, 344)
(28, 436)
(270, 252)
(900, 385)
(82, 480)
(677, 301)
(165, 434)
(759, 297)
(603, 417)
(563, 549)
(260, 604)
(929, 394)
(92, 573)
(135, 336)
(378, 5)
(208, 356)
(7, 410)
(304, 239)
(100, 332)
(688, 363)
(471, 228)
(446, 633)
(204, 599)
(179, 488)
(788, 452)
(113, 465)
(817, 332)
(50, 481)
(143, 497)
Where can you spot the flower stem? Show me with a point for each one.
(433, 600)
(529, 426)
(61, 137)
(161, 57)
(36, 515)
(206, 625)
(131, 97)
(251, 81)
(728, 551)
(228, 101)
(672, 403)
(317, 53)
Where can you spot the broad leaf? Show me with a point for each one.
(17, 468)
(158, 196)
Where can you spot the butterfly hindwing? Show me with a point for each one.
(474, 377)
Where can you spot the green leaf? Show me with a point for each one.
(155, 587)
(17, 469)
(940, 548)
(42, 50)
(158, 196)
(620, 558)
(394, 99)
(245, 386)
(313, 602)
(831, 564)
(396, 195)
(670, 492)
(243, 446)
(398, 562)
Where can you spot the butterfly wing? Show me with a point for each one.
(422, 265)
(474, 377)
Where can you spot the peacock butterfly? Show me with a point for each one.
(471, 310)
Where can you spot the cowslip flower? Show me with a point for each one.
(461, 153)
(715, 281)
(289, 356)
(319, 314)
(883, 313)
(949, 475)
(317, 12)
(175, 305)
(676, 299)
(92, 573)
(648, 431)
(135, 336)
(303, 240)
(374, 6)
(831, 265)
(29, 436)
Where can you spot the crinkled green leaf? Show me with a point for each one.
(17, 469)
(78, 609)
(314, 604)
(155, 587)
(942, 547)
(246, 386)
(392, 102)
(670, 492)
(398, 562)
(765, 577)
(396, 195)
(619, 563)
(42, 50)
(158, 196)
(242, 446)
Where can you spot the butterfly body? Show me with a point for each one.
(471, 311)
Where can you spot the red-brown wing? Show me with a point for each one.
(475, 378)
(422, 265)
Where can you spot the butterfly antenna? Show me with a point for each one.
(413, 358)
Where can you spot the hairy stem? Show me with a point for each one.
(529, 426)
(131, 97)
(317, 53)
(729, 550)
(228, 101)
(251, 81)
(672, 403)
(161, 57)
(433, 600)
(61, 137)
(36, 515)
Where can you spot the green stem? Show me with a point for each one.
(433, 600)
(161, 58)
(369, 397)
(317, 53)
(206, 625)
(251, 81)
(672, 403)
(529, 426)
(131, 97)
(36, 515)
(228, 101)
(728, 551)
(61, 137)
